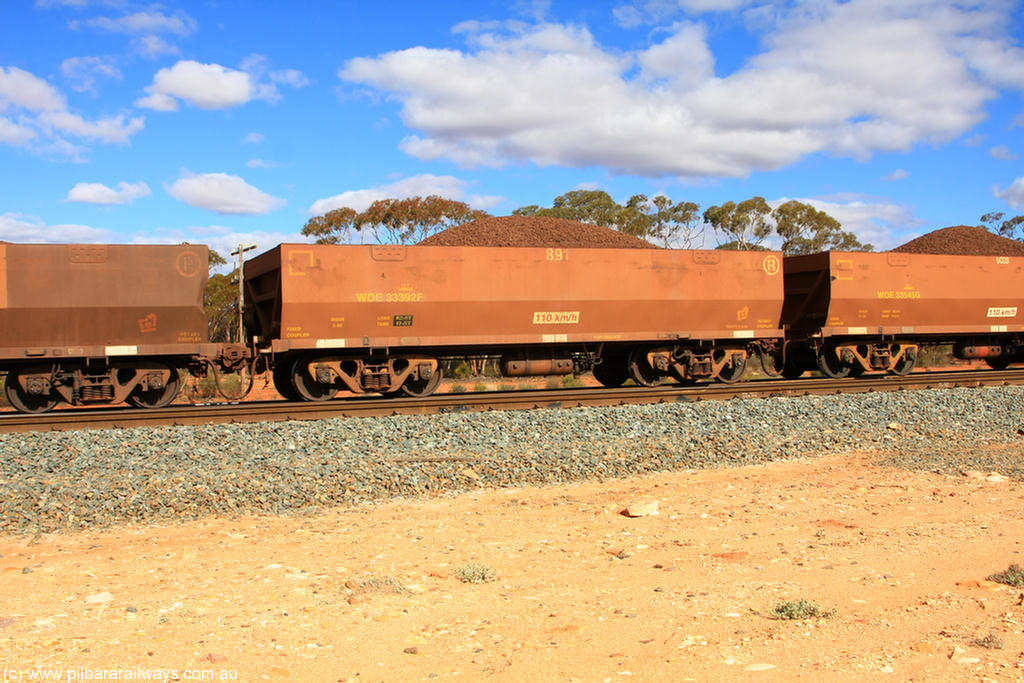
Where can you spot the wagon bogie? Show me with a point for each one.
(150, 383)
(319, 377)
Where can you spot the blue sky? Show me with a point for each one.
(226, 121)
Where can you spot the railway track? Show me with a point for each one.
(268, 411)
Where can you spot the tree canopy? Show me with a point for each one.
(220, 301)
(656, 219)
(745, 224)
(391, 221)
(802, 228)
(1010, 227)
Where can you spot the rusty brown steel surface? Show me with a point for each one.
(514, 400)
(60, 300)
(344, 296)
(856, 293)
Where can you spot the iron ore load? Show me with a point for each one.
(86, 324)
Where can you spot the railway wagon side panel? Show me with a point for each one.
(854, 293)
(376, 296)
(70, 297)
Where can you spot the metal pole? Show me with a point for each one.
(241, 292)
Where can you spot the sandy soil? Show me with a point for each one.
(582, 592)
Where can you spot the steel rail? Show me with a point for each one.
(269, 411)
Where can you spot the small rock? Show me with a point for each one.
(215, 658)
(412, 650)
(759, 666)
(26, 570)
(895, 426)
(641, 508)
(99, 598)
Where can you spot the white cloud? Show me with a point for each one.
(1003, 153)
(21, 89)
(254, 138)
(207, 86)
(113, 129)
(1018, 121)
(875, 221)
(153, 46)
(485, 201)
(179, 24)
(849, 78)
(16, 227)
(223, 193)
(257, 66)
(98, 193)
(212, 86)
(898, 174)
(415, 186)
(83, 72)
(290, 77)
(262, 163)
(1013, 195)
(41, 118)
(14, 134)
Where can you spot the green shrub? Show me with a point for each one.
(463, 371)
(1013, 576)
(799, 609)
(457, 389)
(476, 573)
(989, 642)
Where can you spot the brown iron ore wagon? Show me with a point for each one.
(850, 312)
(380, 318)
(94, 323)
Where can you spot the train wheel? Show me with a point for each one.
(422, 387)
(1000, 363)
(904, 366)
(157, 398)
(790, 371)
(23, 401)
(282, 376)
(830, 365)
(733, 372)
(307, 388)
(640, 371)
(611, 371)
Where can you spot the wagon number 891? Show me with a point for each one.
(557, 255)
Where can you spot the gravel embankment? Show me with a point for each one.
(70, 480)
